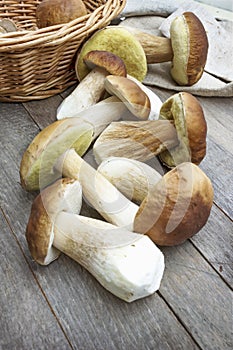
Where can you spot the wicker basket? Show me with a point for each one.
(38, 63)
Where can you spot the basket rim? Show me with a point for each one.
(59, 33)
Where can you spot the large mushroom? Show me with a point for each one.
(127, 264)
(187, 48)
(179, 203)
(143, 140)
(91, 88)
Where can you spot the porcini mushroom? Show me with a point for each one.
(121, 43)
(138, 138)
(127, 264)
(180, 202)
(188, 116)
(187, 48)
(52, 12)
(91, 88)
(155, 101)
(129, 92)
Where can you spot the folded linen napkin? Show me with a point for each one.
(217, 79)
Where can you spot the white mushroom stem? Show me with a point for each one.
(103, 113)
(155, 101)
(98, 191)
(127, 264)
(132, 178)
(87, 93)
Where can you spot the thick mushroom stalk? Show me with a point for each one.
(183, 141)
(127, 264)
(140, 140)
(187, 48)
(132, 178)
(180, 202)
(91, 88)
(98, 191)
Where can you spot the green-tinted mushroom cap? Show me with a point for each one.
(121, 43)
(36, 168)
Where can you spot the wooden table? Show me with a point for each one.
(62, 306)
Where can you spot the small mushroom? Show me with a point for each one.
(132, 178)
(176, 208)
(129, 92)
(120, 42)
(91, 88)
(188, 116)
(137, 140)
(187, 48)
(127, 264)
(155, 101)
(63, 195)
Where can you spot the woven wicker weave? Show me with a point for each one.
(38, 63)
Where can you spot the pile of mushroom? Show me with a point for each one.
(127, 124)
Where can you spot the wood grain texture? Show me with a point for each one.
(215, 242)
(202, 300)
(218, 164)
(44, 111)
(26, 320)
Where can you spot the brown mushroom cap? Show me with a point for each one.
(52, 12)
(112, 63)
(135, 99)
(190, 47)
(63, 195)
(120, 42)
(191, 128)
(177, 207)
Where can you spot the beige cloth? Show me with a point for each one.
(217, 79)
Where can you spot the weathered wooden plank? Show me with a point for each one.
(218, 164)
(199, 296)
(26, 320)
(91, 317)
(94, 319)
(43, 111)
(215, 242)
